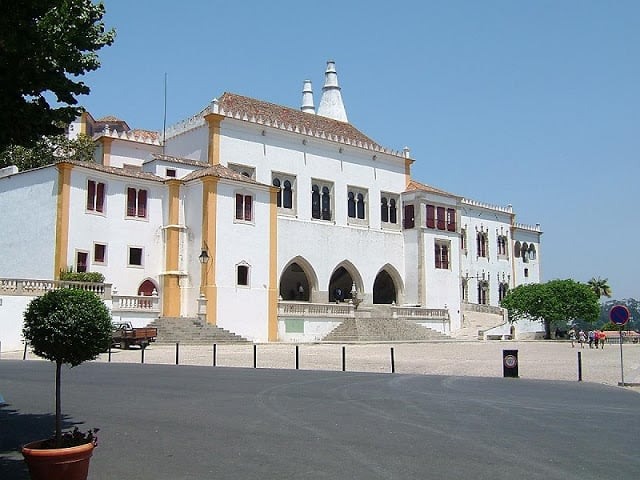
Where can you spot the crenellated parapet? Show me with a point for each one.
(530, 228)
(487, 206)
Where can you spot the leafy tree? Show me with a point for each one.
(47, 150)
(67, 326)
(600, 287)
(554, 302)
(43, 44)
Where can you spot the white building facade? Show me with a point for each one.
(271, 222)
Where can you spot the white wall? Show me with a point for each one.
(117, 231)
(28, 223)
(192, 144)
(130, 153)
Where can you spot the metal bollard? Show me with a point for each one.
(255, 356)
(344, 360)
(142, 355)
(393, 362)
(214, 354)
(24, 355)
(109, 353)
(510, 363)
(177, 353)
(297, 358)
(579, 366)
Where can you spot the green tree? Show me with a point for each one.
(47, 150)
(43, 45)
(553, 302)
(67, 326)
(600, 287)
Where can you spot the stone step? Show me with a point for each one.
(381, 330)
(191, 331)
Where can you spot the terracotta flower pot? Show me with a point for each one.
(70, 463)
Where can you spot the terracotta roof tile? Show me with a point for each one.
(220, 171)
(180, 160)
(415, 186)
(265, 112)
(131, 173)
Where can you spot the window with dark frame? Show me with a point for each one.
(409, 217)
(81, 261)
(442, 255)
(135, 256)
(99, 253)
(171, 172)
(244, 207)
(136, 203)
(95, 196)
(243, 275)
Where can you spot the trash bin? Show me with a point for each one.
(510, 363)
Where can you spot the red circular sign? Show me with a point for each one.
(619, 314)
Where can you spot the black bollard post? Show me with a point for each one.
(344, 360)
(297, 358)
(142, 355)
(255, 356)
(393, 362)
(177, 353)
(579, 366)
(109, 353)
(24, 355)
(214, 354)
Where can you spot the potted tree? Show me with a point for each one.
(66, 326)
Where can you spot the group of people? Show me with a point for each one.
(594, 338)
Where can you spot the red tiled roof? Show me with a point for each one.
(417, 186)
(265, 112)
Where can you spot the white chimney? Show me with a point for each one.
(331, 105)
(307, 98)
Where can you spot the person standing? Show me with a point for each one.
(572, 337)
(582, 338)
(591, 337)
(601, 338)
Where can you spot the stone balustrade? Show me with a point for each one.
(35, 288)
(474, 307)
(415, 313)
(315, 309)
(136, 303)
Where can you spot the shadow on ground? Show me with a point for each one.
(16, 429)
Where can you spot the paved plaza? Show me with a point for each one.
(543, 360)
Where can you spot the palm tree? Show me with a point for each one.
(600, 287)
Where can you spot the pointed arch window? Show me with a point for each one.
(321, 200)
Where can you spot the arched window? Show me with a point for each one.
(315, 201)
(351, 205)
(532, 252)
(516, 249)
(384, 210)
(360, 207)
(276, 183)
(481, 244)
(287, 195)
(393, 213)
(326, 203)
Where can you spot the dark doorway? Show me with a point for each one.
(294, 284)
(384, 290)
(340, 285)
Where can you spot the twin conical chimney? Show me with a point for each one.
(331, 105)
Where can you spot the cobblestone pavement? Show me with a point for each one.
(545, 360)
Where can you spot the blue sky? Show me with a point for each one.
(529, 103)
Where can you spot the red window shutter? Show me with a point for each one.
(131, 202)
(451, 219)
(248, 204)
(409, 219)
(437, 252)
(431, 216)
(142, 203)
(100, 197)
(441, 219)
(91, 194)
(239, 206)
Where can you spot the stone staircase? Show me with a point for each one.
(192, 331)
(381, 330)
(474, 325)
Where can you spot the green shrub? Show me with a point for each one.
(92, 277)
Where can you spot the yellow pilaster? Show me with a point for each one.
(208, 271)
(62, 218)
(273, 268)
(214, 120)
(407, 170)
(106, 150)
(171, 294)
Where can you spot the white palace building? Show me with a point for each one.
(271, 222)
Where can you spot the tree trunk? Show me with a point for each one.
(58, 407)
(547, 330)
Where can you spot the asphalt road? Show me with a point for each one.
(186, 422)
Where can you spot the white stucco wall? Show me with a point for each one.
(192, 144)
(130, 153)
(28, 223)
(118, 232)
